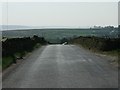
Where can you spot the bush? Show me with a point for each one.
(16, 47)
(103, 44)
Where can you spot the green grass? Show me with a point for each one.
(0, 63)
(37, 45)
(18, 54)
(6, 62)
(112, 53)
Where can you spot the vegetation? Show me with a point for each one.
(105, 39)
(6, 61)
(16, 48)
(103, 44)
(110, 46)
(56, 34)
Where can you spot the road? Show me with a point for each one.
(63, 66)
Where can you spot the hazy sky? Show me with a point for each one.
(60, 13)
(119, 13)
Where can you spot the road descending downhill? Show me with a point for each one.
(63, 66)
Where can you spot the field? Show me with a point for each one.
(54, 35)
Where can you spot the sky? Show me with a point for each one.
(55, 14)
(118, 13)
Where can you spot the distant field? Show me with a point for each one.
(54, 35)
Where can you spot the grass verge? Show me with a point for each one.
(8, 60)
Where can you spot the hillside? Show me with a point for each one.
(54, 35)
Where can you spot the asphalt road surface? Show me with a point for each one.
(63, 66)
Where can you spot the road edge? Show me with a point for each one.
(9, 70)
